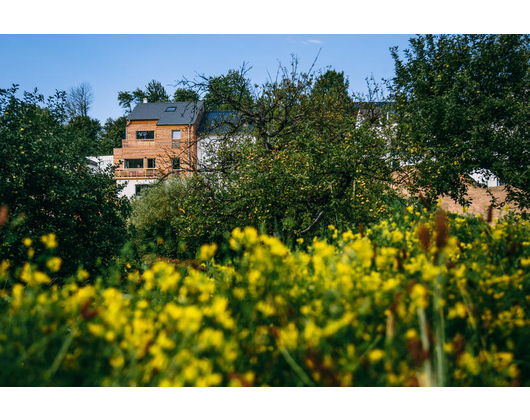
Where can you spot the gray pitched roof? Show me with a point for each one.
(185, 113)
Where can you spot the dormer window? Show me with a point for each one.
(171, 109)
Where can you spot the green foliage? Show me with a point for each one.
(47, 186)
(185, 95)
(421, 298)
(175, 217)
(294, 163)
(226, 90)
(461, 106)
(154, 92)
(111, 135)
(84, 131)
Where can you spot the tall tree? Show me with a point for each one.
(185, 95)
(111, 135)
(84, 131)
(461, 103)
(48, 187)
(154, 92)
(79, 100)
(222, 91)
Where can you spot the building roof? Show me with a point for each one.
(184, 112)
(216, 122)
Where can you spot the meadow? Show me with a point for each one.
(423, 298)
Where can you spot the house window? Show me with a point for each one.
(151, 163)
(133, 163)
(145, 135)
(140, 187)
(175, 136)
(175, 163)
(171, 109)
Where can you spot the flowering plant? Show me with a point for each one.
(424, 298)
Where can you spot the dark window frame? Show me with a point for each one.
(145, 135)
(127, 163)
(177, 166)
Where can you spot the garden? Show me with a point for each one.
(424, 298)
(311, 249)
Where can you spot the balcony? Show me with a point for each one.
(136, 173)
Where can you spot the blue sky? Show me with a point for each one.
(112, 63)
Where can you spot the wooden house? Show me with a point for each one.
(160, 140)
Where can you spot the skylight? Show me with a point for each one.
(171, 109)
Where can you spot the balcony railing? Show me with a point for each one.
(136, 173)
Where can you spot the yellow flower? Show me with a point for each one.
(18, 291)
(31, 277)
(459, 310)
(376, 355)
(470, 363)
(390, 284)
(411, 333)
(347, 236)
(525, 262)
(397, 236)
(27, 242)
(503, 360)
(246, 237)
(266, 308)
(419, 295)
(4, 267)
(289, 336)
(312, 334)
(96, 329)
(207, 251)
(238, 293)
(117, 361)
(82, 275)
(276, 246)
(54, 264)
(142, 304)
(49, 241)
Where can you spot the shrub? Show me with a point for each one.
(47, 187)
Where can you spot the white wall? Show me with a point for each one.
(486, 177)
(130, 185)
(102, 161)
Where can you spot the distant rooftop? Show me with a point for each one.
(167, 113)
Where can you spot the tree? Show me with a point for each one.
(461, 107)
(79, 100)
(154, 92)
(84, 131)
(288, 160)
(332, 85)
(111, 135)
(185, 95)
(222, 91)
(48, 188)
(271, 110)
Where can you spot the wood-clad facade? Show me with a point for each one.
(155, 148)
